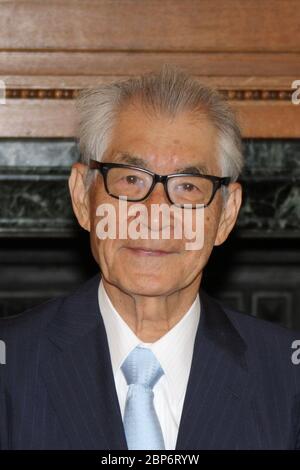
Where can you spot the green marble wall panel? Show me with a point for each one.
(35, 199)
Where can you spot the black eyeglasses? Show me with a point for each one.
(136, 184)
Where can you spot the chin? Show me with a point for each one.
(150, 285)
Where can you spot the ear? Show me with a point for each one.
(79, 195)
(229, 212)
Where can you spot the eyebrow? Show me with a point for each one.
(138, 161)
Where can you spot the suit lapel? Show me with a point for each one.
(78, 373)
(217, 381)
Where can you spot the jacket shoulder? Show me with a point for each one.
(30, 321)
(253, 328)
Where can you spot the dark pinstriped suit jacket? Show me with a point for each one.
(57, 388)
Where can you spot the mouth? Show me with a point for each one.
(147, 251)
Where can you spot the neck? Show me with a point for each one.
(150, 318)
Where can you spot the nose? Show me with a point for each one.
(156, 221)
(157, 196)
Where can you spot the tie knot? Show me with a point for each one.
(142, 367)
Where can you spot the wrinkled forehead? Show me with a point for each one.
(162, 144)
(144, 162)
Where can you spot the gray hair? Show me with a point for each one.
(169, 91)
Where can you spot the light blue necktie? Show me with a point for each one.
(142, 370)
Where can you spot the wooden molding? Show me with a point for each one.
(57, 118)
(152, 25)
(70, 94)
(249, 50)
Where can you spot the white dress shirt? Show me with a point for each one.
(174, 351)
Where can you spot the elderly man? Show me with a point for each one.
(140, 357)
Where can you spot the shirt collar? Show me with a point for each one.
(174, 350)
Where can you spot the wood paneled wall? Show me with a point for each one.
(249, 49)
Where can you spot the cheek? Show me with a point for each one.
(195, 260)
(204, 230)
(106, 255)
(102, 249)
(211, 222)
(209, 226)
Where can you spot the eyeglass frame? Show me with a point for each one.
(104, 168)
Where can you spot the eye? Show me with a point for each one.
(133, 179)
(187, 187)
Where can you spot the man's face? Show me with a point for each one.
(164, 146)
